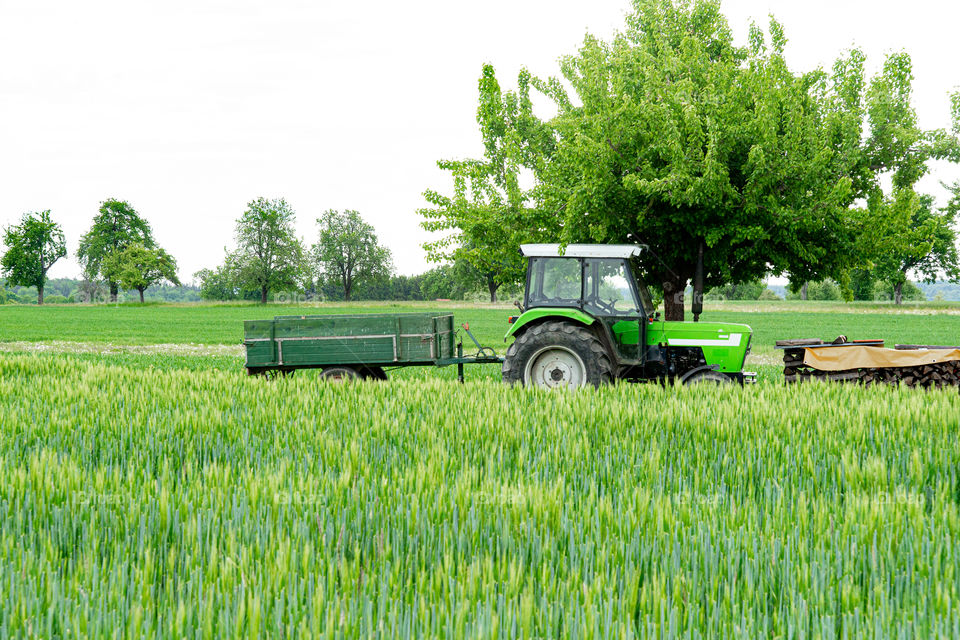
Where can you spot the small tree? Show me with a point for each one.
(33, 247)
(138, 267)
(750, 290)
(348, 251)
(924, 241)
(908, 233)
(115, 228)
(825, 290)
(269, 254)
(441, 282)
(216, 284)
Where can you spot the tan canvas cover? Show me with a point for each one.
(843, 358)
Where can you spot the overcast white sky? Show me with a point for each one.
(189, 109)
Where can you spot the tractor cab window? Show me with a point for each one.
(609, 288)
(554, 282)
(646, 300)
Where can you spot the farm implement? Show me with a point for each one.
(364, 346)
(586, 319)
(868, 362)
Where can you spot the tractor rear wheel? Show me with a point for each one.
(557, 355)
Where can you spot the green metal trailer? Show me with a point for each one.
(356, 346)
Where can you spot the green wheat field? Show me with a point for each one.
(151, 488)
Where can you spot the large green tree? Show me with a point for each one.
(348, 252)
(490, 212)
(672, 136)
(116, 227)
(675, 137)
(33, 246)
(269, 254)
(138, 267)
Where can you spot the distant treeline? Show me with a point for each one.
(69, 290)
(440, 283)
(873, 291)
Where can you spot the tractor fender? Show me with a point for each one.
(692, 372)
(540, 314)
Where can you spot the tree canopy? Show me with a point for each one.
(348, 251)
(138, 267)
(116, 227)
(33, 246)
(675, 136)
(269, 254)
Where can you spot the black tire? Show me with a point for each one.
(562, 346)
(340, 373)
(708, 377)
(373, 373)
(270, 374)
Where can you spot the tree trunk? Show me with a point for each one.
(803, 291)
(263, 294)
(492, 288)
(40, 296)
(141, 295)
(898, 293)
(673, 299)
(114, 290)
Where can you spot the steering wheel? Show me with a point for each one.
(609, 307)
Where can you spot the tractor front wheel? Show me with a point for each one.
(557, 355)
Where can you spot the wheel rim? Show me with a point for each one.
(555, 368)
(339, 375)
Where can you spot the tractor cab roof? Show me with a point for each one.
(581, 250)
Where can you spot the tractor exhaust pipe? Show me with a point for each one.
(697, 306)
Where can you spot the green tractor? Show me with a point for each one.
(587, 319)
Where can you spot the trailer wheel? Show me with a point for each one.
(708, 377)
(270, 374)
(557, 355)
(373, 373)
(339, 374)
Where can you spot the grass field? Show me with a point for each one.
(151, 488)
(223, 324)
(118, 328)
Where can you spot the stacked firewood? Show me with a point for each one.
(942, 374)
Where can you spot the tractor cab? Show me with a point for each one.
(596, 278)
(588, 319)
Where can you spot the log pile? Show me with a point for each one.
(931, 376)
